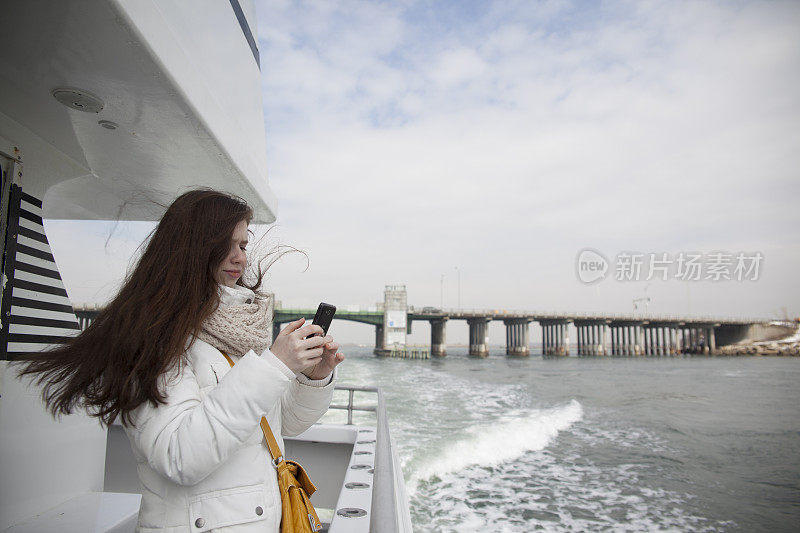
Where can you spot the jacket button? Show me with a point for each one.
(259, 510)
(199, 523)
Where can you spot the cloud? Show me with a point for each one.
(486, 139)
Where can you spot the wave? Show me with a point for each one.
(504, 440)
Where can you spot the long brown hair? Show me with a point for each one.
(113, 366)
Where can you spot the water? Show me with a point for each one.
(593, 444)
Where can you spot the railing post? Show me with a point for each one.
(350, 408)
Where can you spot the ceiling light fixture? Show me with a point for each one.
(78, 99)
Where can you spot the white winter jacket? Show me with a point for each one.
(202, 461)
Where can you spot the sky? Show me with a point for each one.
(471, 150)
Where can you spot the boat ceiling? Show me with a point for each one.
(179, 79)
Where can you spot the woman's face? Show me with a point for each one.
(232, 267)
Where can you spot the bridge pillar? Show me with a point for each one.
(477, 336)
(525, 327)
(712, 342)
(673, 341)
(517, 337)
(548, 335)
(598, 342)
(639, 339)
(613, 340)
(702, 335)
(651, 340)
(626, 340)
(659, 341)
(655, 343)
(670, 346)
(632, 340)
(603, 339)
(654, 337)
(559, 339)
(683, 343)
(698, 348)
(544, 338)
(587, 339)
(604, 343)
(598, 339)
(663, 341)
(622, 348)
(632, 329)
(439, 337)
(555, 337)
(685, 339)
(379, 349)
(586, 343)
(560, 333)
(698, 341)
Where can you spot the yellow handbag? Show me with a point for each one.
(298, 514)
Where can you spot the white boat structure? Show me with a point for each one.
(109, 109)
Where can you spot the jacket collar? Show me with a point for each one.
(236, 295)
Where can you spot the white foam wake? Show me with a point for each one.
(503, 440)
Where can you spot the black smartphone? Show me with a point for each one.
(324, 316)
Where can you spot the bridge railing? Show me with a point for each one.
(582, 315)
(86, 313)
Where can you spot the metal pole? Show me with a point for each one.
(350, 408)
(459, 287)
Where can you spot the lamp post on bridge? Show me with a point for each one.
(459, 286)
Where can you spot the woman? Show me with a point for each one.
(154, 359)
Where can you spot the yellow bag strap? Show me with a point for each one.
(272, 444)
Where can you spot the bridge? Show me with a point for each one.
(595, 334)
(598, 334)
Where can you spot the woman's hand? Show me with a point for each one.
(330, 358)
(296, 351)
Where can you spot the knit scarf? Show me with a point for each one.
(236, 329)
